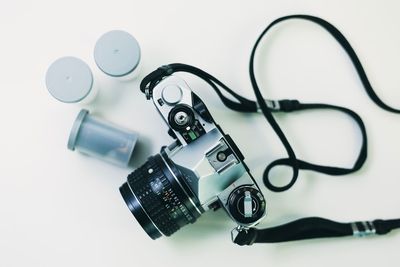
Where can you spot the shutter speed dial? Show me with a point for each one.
(246, 205)
(181, 117)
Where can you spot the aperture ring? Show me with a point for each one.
(158, 197)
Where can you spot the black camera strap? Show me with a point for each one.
(292, 105)
(314, 227)
(306, 228)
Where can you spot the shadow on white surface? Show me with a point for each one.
(208, 227)
(142, 151)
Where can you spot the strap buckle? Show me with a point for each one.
(271, 104)
(368, 229)
(285, 105)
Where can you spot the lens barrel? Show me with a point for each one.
(157, 195)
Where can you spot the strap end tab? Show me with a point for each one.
(243, 236)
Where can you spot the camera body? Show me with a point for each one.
(201, 170)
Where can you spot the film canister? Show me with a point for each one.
(98, 138)
(70, 80)
(117, 54)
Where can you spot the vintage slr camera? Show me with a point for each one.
(201, 170)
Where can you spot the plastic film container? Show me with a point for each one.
(101, 139)
(70, 80)
(117, 54)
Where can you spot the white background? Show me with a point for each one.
(60, 208)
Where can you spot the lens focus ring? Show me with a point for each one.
(162, 199)
(150, 201)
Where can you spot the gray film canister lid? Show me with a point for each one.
(117, 53)
(75, 129)
(69, 79)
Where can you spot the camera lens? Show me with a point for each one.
(159, 197)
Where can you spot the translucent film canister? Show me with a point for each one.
(101, 139)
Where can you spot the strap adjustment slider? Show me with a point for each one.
(288, 105)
